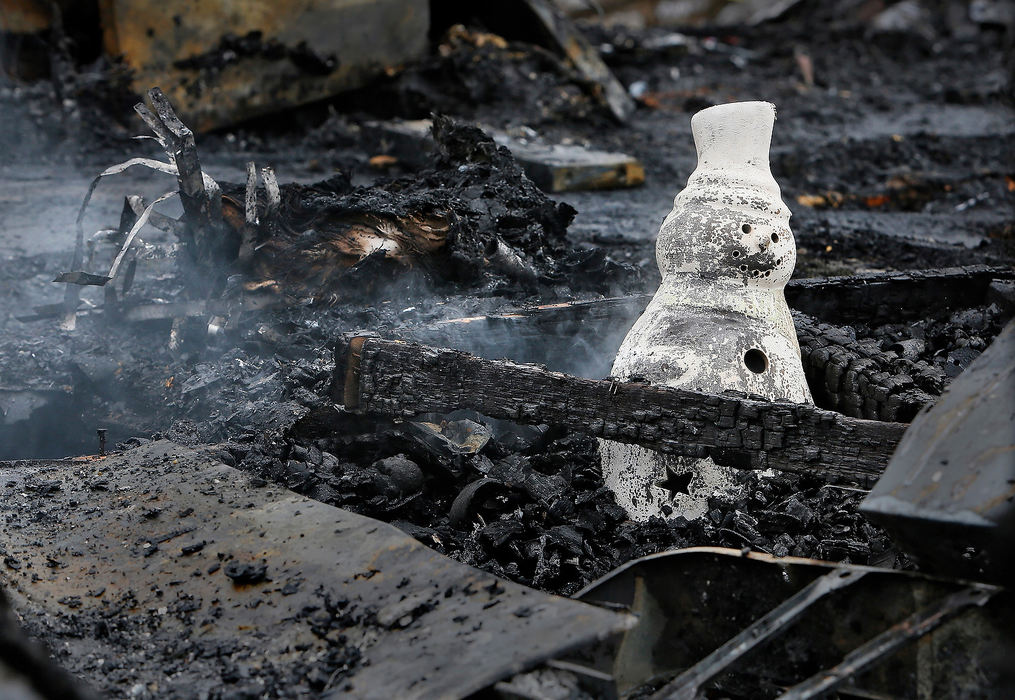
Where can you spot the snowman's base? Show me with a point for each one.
(649, 484)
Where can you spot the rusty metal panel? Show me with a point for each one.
(162, 554)
(205, 57)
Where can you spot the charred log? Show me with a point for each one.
(406, 379)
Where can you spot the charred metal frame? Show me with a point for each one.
(708, 614)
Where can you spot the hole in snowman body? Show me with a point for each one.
(756, 360)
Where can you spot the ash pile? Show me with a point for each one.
(273, 345)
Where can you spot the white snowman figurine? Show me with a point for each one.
(719, 320)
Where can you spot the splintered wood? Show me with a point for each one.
(406, 379)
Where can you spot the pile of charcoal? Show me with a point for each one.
(529, 503)
(949, 344)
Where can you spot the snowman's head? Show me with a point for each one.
(730, 222)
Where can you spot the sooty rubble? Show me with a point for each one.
(531, 505)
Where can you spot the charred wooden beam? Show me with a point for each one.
(878, 297)
(406, 379)
(890, 297)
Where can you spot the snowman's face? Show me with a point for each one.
(763, 256)
(717, 242)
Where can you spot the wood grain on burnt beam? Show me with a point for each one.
(406, 379)
(891, 297)
(853, 377)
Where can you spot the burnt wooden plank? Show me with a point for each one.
(217, 71)
(888, 297)
(567, 168)
(405, 379)
(400, 603)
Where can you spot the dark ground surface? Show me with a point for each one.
(898, 157)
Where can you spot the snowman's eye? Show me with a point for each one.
(775, 238)
(746, 228)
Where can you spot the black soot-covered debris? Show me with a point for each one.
(892, 157)
(472, 218)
